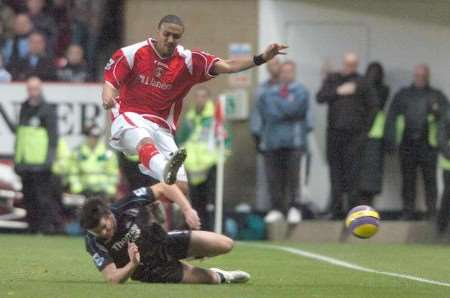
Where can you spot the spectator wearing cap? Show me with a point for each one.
(94, 168)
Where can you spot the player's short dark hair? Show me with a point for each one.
(92, 212)
(171, 19)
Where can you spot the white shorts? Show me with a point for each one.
(128, 130)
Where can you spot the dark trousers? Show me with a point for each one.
(344, 154)
(39, 202)
(444, 211)
(203, 194)
(414, 155)
(283, 177)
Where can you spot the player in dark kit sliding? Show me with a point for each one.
(123, 244)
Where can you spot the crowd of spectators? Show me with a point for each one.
(56, 40)
(360, 130)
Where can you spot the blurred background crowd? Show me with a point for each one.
(56, 40)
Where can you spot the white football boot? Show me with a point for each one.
(173, 165)
(233, 276)
(294, 216)
(274, 216)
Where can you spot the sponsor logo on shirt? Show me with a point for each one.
(142, 191)
(132, 235)
(151, 81)
(109, 64)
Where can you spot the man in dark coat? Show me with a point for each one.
(352, 106)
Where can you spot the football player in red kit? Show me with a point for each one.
(145, 84)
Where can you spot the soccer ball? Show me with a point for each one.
(363, 221)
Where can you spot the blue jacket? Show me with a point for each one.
(283, 121)
(255, 116)
(7, 50)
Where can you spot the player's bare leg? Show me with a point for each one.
(197, 275)
(192, 274)
(208, 244)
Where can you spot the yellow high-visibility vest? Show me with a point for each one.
(201, 147)
(62, 160)
(377, 129)
(31, 145)
(94, 170)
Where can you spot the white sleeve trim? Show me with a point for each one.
(130, 51)
(114, 70)
(187, 55)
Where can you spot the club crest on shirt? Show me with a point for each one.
(158, 72)
(161, 64)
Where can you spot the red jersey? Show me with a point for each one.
(154, 86)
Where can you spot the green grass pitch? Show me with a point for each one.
(39, 266)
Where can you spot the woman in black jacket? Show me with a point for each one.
(371, 177)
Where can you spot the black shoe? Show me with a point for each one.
(173, 165)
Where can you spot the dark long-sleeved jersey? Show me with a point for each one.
(130, 215)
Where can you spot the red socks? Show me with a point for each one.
(146, 152)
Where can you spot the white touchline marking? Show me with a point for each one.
(345, 264)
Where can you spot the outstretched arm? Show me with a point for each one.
(174, 194)
(237, 65)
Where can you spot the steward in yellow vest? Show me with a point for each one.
(94, 168)
(61, 165)
(197, 134)
(411, 126)
(35, 149)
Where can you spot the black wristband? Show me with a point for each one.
(258, 59)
